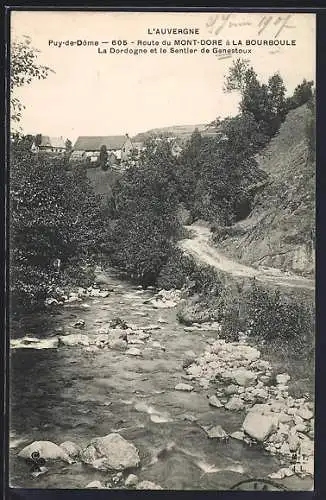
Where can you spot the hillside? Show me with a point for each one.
(280, 229)
(182, 132)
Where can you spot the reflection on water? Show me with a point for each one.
(70, 394)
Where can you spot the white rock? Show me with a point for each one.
(133, 351)
(110, 452)
(245, 378)
(148, 485)
(259, 426)
(214, 401)
(184, 387)
(282, 473)
(131, 480)
(195, 370)
(282, 378)
(74, 339)
(305, 414)
(47, 450)
(72, 449)
(95, 484)
(235, 404)
(215, 432)
(239, 435)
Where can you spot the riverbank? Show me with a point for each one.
(79, 392)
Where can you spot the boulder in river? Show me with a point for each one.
(235, 404)
(216, 432)
(72, 449)
(131, 480)
(47, 450)
(95, 484)
(184, 387)
(259, 426)
(111, 452)
(214, 401)
(74, 339)
(148, 485)
(133, 351)
(80, 323)
(239, 435)
(188, 359)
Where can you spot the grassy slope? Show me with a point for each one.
(278, 231)
(183, 132)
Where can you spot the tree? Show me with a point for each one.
(266, 102)
(54, 214)
(38, 140)
(103, 159)
(188, 169)
(235, 79)
(146, 200)
(302, 94)
(23, 70)
(68, 145)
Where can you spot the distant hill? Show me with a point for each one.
(280, 229)
(182, 132)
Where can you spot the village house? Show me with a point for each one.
(119, 147)
(49, 144)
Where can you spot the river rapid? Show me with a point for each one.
(76, 394)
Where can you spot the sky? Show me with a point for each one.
(112, 94)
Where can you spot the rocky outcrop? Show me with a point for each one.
(279, 232)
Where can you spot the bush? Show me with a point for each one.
(176, 271)
(54, 214)
(271, 315)
(146, 203)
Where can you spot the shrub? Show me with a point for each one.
(271, 315)
(54, 214)
(176, 271)
(146, 202)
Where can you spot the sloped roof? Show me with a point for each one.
(52, 142)
(94, 143)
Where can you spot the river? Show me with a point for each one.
(72, 394)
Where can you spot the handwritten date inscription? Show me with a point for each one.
(270, 24)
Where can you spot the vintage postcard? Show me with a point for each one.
(162, 243)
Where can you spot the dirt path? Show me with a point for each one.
(199, 246)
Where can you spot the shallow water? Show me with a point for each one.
(70, 394)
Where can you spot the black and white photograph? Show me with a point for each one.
(161, 201)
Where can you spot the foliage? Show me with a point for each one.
(54, 214)
(189, 169)
(311, 128)
(177, 270)
(23, 70)
(266, 102)
(103, 158)
(303, 93)
(227, 168)
(272, 315)
(145, 202)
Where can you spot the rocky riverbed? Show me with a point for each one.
(119, 395)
